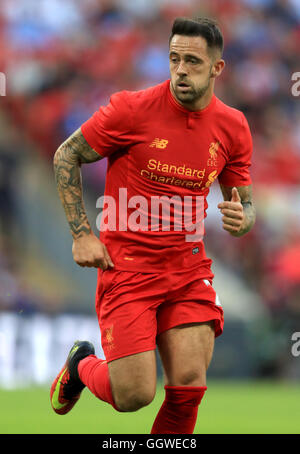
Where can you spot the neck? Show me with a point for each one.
(200, 103)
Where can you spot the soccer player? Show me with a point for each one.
(154, 287)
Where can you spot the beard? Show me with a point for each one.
(191, 94)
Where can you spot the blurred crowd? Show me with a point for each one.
(63, 59)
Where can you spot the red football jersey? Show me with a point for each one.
(158, 150)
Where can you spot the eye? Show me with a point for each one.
(173, 59)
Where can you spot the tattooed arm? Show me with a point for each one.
(87, 249)
(237, 209)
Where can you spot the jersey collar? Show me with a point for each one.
(179, 108)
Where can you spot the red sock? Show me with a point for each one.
(178, 413)
(93, 372)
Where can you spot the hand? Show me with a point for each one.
(233, 213)
(89, 251)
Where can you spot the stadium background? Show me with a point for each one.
(62, 60)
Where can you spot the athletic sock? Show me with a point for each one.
(178, 413)
(94, 373)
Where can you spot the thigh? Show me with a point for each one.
(186, 352)
(133, 376)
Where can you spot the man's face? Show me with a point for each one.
(191, 68)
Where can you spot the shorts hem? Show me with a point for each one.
(123, 355)
(218, 325)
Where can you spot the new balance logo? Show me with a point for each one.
(159, 143)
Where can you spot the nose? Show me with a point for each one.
(181, 69)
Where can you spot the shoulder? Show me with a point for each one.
(125, 107)
(144, 98)
(230, 113)
(233, 122)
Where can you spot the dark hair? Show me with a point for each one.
(199, 26)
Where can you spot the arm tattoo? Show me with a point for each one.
(245, 193)
(67, 162)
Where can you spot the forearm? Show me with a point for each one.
(68, 180)
(67, 162)
(248, 221)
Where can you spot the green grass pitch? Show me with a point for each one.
(227, 408)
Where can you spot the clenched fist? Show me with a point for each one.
(89, 251)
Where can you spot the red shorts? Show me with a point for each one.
(133, 308)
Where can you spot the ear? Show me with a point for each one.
(217, 68)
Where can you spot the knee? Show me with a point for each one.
(190, 377)
(132, 398)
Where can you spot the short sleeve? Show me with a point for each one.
(237, 170)
(109, 129)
